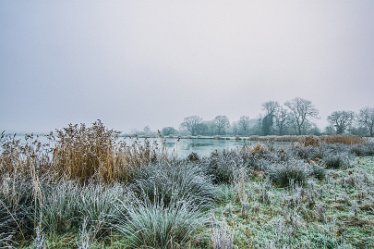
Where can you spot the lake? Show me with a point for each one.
(202, 146)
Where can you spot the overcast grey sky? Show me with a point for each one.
(137, 63)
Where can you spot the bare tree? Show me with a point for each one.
(341, 120)
(221, 122)
(301, 111)
(243, 125)
(282, 119)
(270, 107)
(191, 123)
(366, 119)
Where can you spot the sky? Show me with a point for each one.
(138, 63)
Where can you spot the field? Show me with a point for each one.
(83, 187)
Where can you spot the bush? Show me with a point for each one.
(174, 182)
(153, 225)
(283, 174)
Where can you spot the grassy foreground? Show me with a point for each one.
(85, 188)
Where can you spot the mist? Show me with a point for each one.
(138, 63)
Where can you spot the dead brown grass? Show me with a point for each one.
(343, 139)
(76, 152)
(83, 153)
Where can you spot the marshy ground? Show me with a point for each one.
(87, 189)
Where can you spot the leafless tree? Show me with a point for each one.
(221, 122)
(191, 123)
(301, 110)
(366, 119)
(341, 120)
(270, 107)
(243, 125)
(282, 119)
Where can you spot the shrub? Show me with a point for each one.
(283, 174)
(153, 225)
(171, 182)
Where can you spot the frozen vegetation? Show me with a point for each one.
(86, 188)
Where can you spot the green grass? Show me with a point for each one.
(293, 219)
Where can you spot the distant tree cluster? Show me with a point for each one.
(294, 117)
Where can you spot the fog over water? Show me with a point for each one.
(138, 63)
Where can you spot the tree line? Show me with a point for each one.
(294, 117)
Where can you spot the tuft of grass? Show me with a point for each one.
(171, 182)
(222, 237)
(67, 205)
(224, 166)
(366, 149)
(292, 172)
(337, 161)
(153, 225)
(319, 172)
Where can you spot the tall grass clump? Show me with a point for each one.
(224, 166)
(222, 237)
(7, 227)
(175, 181)
(82, 152)
(154, 225)
(286, 174)
(337, 161)
(366, 149)
(67, 205)
(17, 207)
